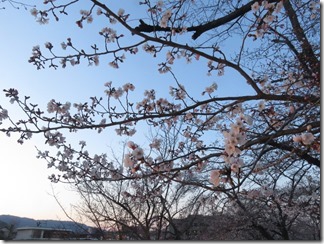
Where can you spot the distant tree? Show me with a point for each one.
(225, 142)
(280, 212)
(7, 230)
(142, 208)
(138, 210)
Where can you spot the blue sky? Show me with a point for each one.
(23, 178)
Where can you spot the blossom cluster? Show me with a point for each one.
(165, 18)
(135, 158)
(210, 89)
(271, 9)
(305, 138)
(234, 138)
(219, 67)
(41, 16)
(131, 159)
(151, 104)
(178, 93)
(109, 34)
(56, 107)
(85, 15)
(119, 91)
(54, 139)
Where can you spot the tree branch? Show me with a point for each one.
(300, 34)
(300, 153)
(200, 29)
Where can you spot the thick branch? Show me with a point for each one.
(299, 32)
(300, 153)
(200, 29)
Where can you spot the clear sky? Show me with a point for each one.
(25, 188)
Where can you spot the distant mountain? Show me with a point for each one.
(28, 222)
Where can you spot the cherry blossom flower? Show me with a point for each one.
(211, 89)
(156, 143)
(99, 11)
(51, 106)
(3, 114)
(307, 138)
(235, 168)
(269, 18)
(34, 12)
(89, 19)
(312, 5)
(248, 119)
(118, 131)
(132, 145)
(109, 34)
(261, 106)
(159, 3)
(112, 21)
(82, 143)
(128, 87)
(108, 84)
(117, 93)
(259, 33)
(167, 13)
(131, 132)
(170, 57)
(64, 45)
(215, 177)
(72, 61)
(230, 148)
(121, 12)
(165, 18)
(163, 23)
(42, 20)
(255, 6)
(128, 161)
(138, 153)
(96, 60)
(133, 50)
(279, 6)
(267, 5)
(150, 94)
(297, 138)
(189, 116)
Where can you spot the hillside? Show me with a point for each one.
(28, 222)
